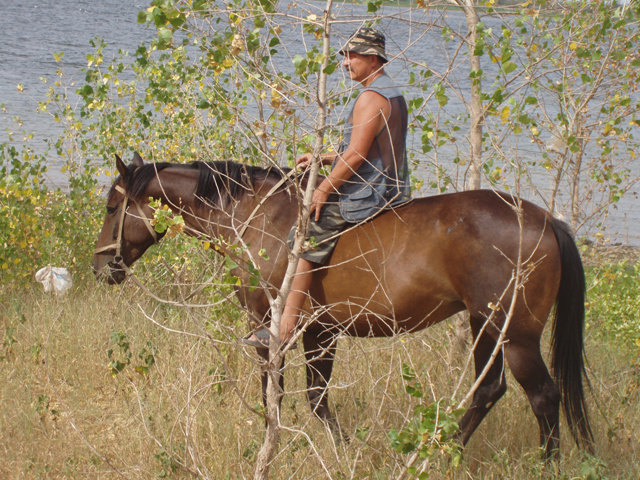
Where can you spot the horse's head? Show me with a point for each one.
(127, 232)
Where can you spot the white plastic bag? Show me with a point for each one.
(54, 279)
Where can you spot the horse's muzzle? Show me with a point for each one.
(112, 272)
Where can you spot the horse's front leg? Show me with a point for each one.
(320, 351)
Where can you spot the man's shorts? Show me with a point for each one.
(322, 235)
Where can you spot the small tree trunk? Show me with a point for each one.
(276, 358)
(474, 179)
(575, 190)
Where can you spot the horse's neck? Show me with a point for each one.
(176, 188)
(237, 220)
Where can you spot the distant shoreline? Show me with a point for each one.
(594, 254)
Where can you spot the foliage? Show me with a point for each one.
(575, 69)
(164, 220)
(41, 226)
(120, 355)
(431, 431)
(559, 103)
(614, 303)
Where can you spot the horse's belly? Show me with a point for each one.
(381, 313)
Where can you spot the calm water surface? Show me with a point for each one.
(31, 30)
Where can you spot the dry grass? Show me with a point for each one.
(66, 416)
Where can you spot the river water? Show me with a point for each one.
(32, 30)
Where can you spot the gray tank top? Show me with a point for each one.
(382, 180)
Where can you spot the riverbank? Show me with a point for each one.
(594, 254)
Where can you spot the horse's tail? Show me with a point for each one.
(567, 339)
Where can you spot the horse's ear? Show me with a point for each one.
(122, 168)
(137, 160)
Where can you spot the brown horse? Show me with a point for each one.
(404, 270)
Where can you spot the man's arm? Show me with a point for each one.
(369, 116)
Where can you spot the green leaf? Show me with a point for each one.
(229, 263)
(165, 37)
(300, 64)
(362, 433)
(199, 4)
(413, 391)
(509, 67)
(407, 373)
(330, 68)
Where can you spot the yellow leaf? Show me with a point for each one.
(573, 45)
(504, 115)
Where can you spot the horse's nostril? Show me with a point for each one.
(112, 273)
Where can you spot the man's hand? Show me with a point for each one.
(318, 200)
(304, 161)
(322, 191)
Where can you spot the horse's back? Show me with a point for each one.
(421, 262)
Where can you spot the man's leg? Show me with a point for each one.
(325, 235)
(292, 308)
(295, 300)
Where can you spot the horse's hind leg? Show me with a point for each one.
(320, 352)
(492, 385)
(529, 370)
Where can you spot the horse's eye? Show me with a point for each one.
(111, 210)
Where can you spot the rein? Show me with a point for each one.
(117, 258)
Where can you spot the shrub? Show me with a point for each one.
(613, 308)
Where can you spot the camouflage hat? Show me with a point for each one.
(366, 41)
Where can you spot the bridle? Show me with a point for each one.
(117, 245)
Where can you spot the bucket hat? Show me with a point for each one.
(366, 41)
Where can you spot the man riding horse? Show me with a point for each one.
(369, 170)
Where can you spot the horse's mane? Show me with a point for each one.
(137, 178)
(217, 181)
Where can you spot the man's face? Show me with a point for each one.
(359, 66)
